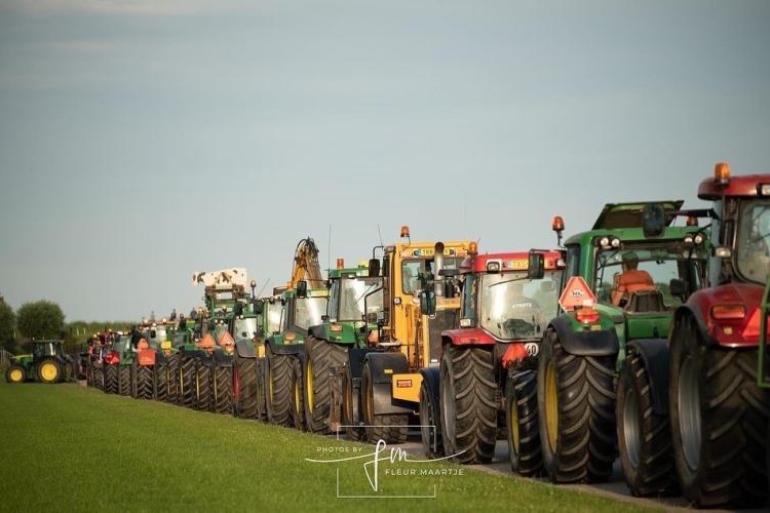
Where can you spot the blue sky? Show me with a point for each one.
(143, 140)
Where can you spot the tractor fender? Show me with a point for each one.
(245, 349)
(468, 337)
(297, 349)
(317, 331)
(383, 366)
(356, 360)
(654, 353)
(585, 343)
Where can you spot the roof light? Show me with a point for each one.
(557, 224)
(405, 231)
(340, 263)
(473, 248)
(728, 312)
(763, 189)
(493, 267)
(722, 173)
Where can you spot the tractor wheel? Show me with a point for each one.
(390, 428)
(279, 388)
(89, 374)
(261, 389)
(430, 423)
(124, 380)
(245, 387)
(322, 360)
(298, 398)
(133, 375)
(160, 381)
(171, 371)
(222, 402)
(186, 389)
(521, 423)
(644, 437)
(719, 419)
(351, 408)
(110, 379)
(49, 371)
(576, 411)
(143, 382)
(467, 402)
(203, 388)
(15, 374)
(98, 373)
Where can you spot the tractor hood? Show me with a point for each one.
(629, 215)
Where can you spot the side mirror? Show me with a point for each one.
(302, 289)
(677, 288)
(374, 267)
(428, 302)
(259, 307)
(325, 318)
(536, 266)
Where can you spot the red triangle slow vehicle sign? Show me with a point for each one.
(576, 293)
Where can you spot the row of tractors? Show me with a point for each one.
(642, 339)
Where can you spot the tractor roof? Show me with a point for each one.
(745, 186)
(509, 261)
(634, 234)
(349, 272)
(629, 215)
(426, 249)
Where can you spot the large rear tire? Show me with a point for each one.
(522, 427)
(99, 377)
(186, 391)
(144, 382)
(719, 421)
(245, 387)
(467, 394)
(171, 370)
(203, 385)
(222, 380)
(279, 388)
(320, 364)
(49, 371)
(644, 437)
(110, 379)
(390, 428)
(160, 381)
(576, 413)
(124, 380)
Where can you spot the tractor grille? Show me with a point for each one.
(444, 320)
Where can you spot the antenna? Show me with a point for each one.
(379, 232)
(267, 282)
(329, 250)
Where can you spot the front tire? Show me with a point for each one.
(644, 437)
(245, 381)
(468, 404)
(430, 423)
(222, 402)
(719, 419)
(203, 388)
(521, 421)
(576, 413)
(110, 379)
(279, 388)
(319, 366)
(124, 380)
(15, 374)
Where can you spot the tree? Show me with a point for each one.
(7, 326)
(41, 319)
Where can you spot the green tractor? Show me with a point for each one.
(281, 369)
(47, 364)
(355, 301)
(622, 283)
(117, 363)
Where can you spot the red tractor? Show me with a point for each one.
(719, 411)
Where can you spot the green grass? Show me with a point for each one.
(67, 448)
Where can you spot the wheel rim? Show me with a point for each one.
(309, 385)
(688, 396)
(427, 423)
(631, 427)
(16, 375)
(347, 401)
(297, 396)
(551, 406)
(48, 371)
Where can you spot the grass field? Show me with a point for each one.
(67, 448)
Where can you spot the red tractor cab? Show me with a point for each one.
(718, 410)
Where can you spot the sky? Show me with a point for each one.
(143, 140)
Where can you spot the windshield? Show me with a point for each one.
(513, 307)
(752, 252)
(274, 311)
(245, 328)
(352, 294)
(308, 311)
(413, 267)
(646, 267)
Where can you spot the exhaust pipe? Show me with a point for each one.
(438, 265)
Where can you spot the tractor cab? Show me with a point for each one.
(301, 308)
(638, 265)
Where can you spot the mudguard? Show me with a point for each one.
(317, 331)
(245, 349)
(654, 353)
(382, 367)
(356, 359)
(585, 343)
(431, 376)
(285, 348)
